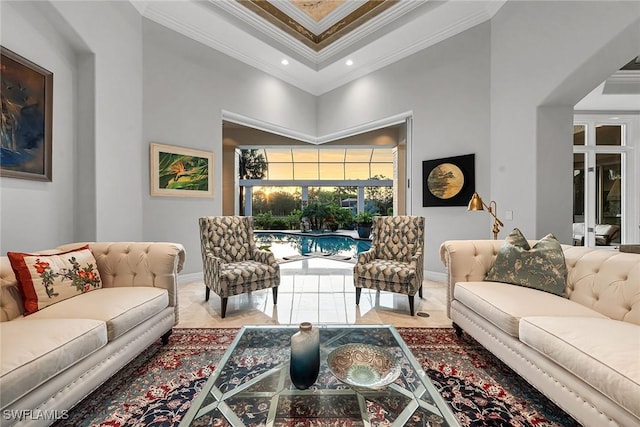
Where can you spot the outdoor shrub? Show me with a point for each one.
(279, 224)
(263, 221)
(294, 219)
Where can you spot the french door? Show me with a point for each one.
(605, 191)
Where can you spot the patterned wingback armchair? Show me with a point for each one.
(232, 263)
(395, 261)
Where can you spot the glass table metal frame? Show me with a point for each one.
(251, 385)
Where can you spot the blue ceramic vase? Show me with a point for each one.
(305, 356)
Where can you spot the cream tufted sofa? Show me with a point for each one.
(53, 358)
(583, 352)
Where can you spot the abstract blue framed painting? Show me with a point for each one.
(26, 92)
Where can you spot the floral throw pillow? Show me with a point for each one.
(541, 267)
(47, 279)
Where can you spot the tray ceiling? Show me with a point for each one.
(317, 37)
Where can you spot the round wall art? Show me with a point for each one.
(445, 180)
(448, 181)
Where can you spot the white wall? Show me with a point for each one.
(447, 88)
(38, 215)
(94, 51)
(546, 56)
(186, 88)
(113, 33)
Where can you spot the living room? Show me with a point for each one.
(504, 89)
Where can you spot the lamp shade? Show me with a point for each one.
(475, 204)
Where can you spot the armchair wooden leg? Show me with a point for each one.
(224, 307)
(358, 292)
(275, 295)
(420, 291)
(411, 304)
(206, 293)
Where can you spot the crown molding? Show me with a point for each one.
(318, 27)
(377, 23)
(382, 58)
(255, 21)
(261, 125)
(623, 82)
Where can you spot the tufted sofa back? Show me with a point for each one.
(604, 280)
(227, 237)
(119, 263)
(397, 237)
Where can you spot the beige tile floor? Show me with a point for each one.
(316, 290)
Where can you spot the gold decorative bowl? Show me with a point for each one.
(364, 366)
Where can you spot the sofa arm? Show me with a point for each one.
(123, 264)
(467, 261)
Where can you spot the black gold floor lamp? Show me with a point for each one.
(476, 204)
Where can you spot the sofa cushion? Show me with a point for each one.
(541, 267)
(35, 350)
(504, 305)
(121, 308)
(602, 352)
(47, 279)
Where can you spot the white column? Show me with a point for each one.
(248, 201)
(305, 197)
(360, 199)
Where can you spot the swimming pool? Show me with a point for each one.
(288, 244)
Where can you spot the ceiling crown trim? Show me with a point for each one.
(296, 42)
(317, 41)
(325, 23)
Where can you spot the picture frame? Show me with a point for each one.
(449, 181)
(26, 92)
(180, 172)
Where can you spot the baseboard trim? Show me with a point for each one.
(191, 277)
(435, 276)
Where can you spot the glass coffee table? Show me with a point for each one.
(251, 385)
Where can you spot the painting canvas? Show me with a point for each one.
(181, 172)
(26, 92)
(448, 181)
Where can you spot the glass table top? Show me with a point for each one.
(251, 385)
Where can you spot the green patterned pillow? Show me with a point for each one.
(542, 267)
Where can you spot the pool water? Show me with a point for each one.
(287, 244)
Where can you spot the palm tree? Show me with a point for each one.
(252, 165)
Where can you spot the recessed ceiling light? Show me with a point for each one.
(285, 62)
(349, 63)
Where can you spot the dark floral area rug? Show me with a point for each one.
(157, 387)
